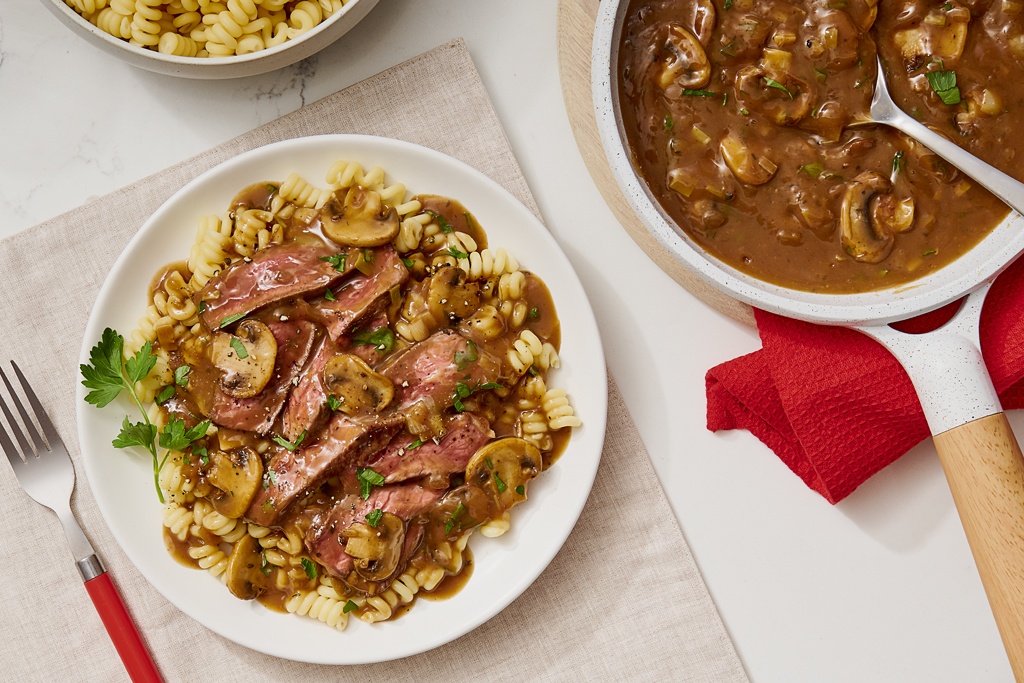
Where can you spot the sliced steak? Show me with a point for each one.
(306, 401)
(438, 460)
(427, 375)
(257, 413)
(291, 474)
(360, 295)
(325, 541)
(271, 275)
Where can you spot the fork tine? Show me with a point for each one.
(26, 449)
(49, 431)
(12, 453)
(30, 427)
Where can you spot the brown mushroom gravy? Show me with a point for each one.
(358, 405)
(742, 118)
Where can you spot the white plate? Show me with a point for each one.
(122, 482)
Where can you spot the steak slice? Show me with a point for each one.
(435, 459)
(326, 543)
(291, 474)
(271, 275)
(257, 413)
(362, 293)
(306, 401)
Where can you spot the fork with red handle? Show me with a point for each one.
(44, 470)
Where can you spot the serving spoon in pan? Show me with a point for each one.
(976, 446)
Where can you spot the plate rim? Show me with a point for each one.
(585, 467)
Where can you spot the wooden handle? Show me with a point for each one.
(985, 471)
(122, 630)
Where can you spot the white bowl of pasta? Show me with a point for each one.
(210, 40)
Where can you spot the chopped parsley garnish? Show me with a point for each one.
(463, 390)
(464, 358)
(944, 85)
(204, 455)
(930, 252)
(408, 262)
(699, 93)
(441, 222)
(382, 339)
(454, 518)
(165, 395)
(281, 441)
(329, 295)
(349, 607)
(415, 444)
(534, 313)
(333, 403)
(499, 483)
(897, 163)
(337, 260)
(181, 375)
(521, 490)
(269, 478)
(265, 566)
(668, 122)
(202, 305)
(231, 319)
(728, 4)
(772, 83)
(309, 568)
(373, 518)
(239, 348)
(813, 169)
(455, 253)
(821, 76)
(490, 464)
(368, 478)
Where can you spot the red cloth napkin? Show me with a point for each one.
(835, 406)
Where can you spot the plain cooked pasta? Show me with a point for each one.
(447, 262)
(206, 28)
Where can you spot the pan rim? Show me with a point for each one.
(981, 264)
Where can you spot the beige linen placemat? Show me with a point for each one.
(604, 610)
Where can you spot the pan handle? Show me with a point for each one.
(979, 455)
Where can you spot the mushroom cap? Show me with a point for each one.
(245, 359)
(359, 388)
(244, 575)
(236, 475)
(360, 219)
(376, 549)
(503, 468)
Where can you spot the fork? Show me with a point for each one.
(44, 470)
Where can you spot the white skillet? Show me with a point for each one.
(979, 453)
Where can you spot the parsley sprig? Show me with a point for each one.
(108, 374)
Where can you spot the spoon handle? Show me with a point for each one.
(884, 110)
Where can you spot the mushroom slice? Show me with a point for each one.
(503, 468)
(355, 384)
(236, 475)
(895, 215)
(376, 549)
(747, 166)
(245, 358)
(940, 36)
(863, 238)
(361, 219)
(244, 575)
(683, 61)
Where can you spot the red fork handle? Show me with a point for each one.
(122, 630)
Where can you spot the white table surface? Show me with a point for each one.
(879, 588)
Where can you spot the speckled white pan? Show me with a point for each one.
(978, 450)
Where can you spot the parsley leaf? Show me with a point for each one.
(239, 348)
(464, 358)
(813, 169)
(502, 487)
(281, 441)
(373, 518)
(227, 320)
(181, 375)
(309, 568)
(382, 339)
(408, 262)
(415, 444)
(455, 253)
(165, 395)
(368, 478)
(772, 83)
(135, 434)
(332, 402)
(104, 376)
(349, 607)
(668, 122)
(176, 438)
(521, 490)
(337, 260)
(897, 163)
(699, 93)
(329, 295)
(454, 518)
(944, 85)
(441, 222)
(139, 365)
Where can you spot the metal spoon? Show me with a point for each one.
(884, 110)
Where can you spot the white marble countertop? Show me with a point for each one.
(879, 588)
